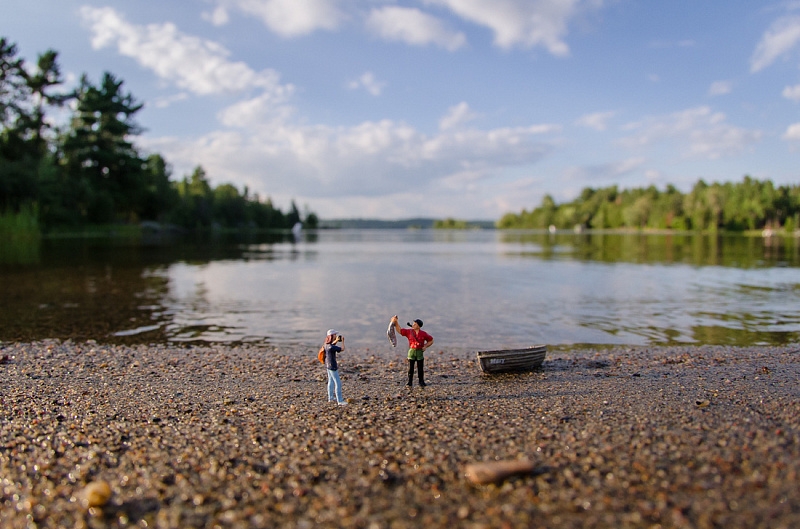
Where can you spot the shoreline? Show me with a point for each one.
(623, 436)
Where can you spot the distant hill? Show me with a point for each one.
(418, 223)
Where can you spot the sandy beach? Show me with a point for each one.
(96, 435)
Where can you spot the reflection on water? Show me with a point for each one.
(700, 250)
(474, 289)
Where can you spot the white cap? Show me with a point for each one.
(332, 331)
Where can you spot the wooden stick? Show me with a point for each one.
(494, 471)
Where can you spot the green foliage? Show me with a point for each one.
(455, 224)
(293, 216)
(311, 222)
(450, 224)
(91, 174)
(22, 225)
(19, 236)
(158, 196)
(749, 205)
(25, 95)
(97, 153)
(199, 206)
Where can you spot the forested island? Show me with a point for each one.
(88, 173)
(747, 205)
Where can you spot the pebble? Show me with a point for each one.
(96, 494)
(242, 436)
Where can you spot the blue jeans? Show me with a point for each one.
(334, 385)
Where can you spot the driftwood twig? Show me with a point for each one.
(494, 471)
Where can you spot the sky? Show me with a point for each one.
(470, 109)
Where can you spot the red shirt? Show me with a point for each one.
(416, 339)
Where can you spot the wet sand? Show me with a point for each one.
(111, 436)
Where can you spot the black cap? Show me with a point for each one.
(418, 322)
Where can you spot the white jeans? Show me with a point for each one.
(334, 385)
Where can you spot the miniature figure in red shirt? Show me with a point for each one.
(418, 341)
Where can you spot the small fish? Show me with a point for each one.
(391, 334)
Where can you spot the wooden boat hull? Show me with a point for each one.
(510, 360)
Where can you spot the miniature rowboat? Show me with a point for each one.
(507, 360)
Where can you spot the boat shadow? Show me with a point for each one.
(523, 384)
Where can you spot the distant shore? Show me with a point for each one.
(244, 437)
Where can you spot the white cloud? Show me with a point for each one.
(626, 166)
(792, 93)
(256, 112)
(363, 160)
(474, 148)
(719, 88)
(515, 23)
(456, 116)
(263, 147)
(218, 17)
(523, 23)
(597, 121)
(368, 82)
(792, 132)
(607, 172)
(289, 18)
(412, 26)
(782, 36)
(653, 175)
(699, 133)
(197, 65)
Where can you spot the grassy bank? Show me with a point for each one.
(21, 226)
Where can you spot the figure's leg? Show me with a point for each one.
(410, 371)
(420, 371)
(331, 386)
(338, 384)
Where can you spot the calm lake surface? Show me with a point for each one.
(473, 289)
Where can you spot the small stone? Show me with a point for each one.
(96, 494)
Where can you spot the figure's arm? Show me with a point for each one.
(396, 323)
(428, 344)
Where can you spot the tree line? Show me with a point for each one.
(747, 205)
(88, 171)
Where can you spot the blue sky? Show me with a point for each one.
(444, 108)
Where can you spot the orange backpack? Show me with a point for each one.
(321, 354)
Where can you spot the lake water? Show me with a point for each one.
(474, 289)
